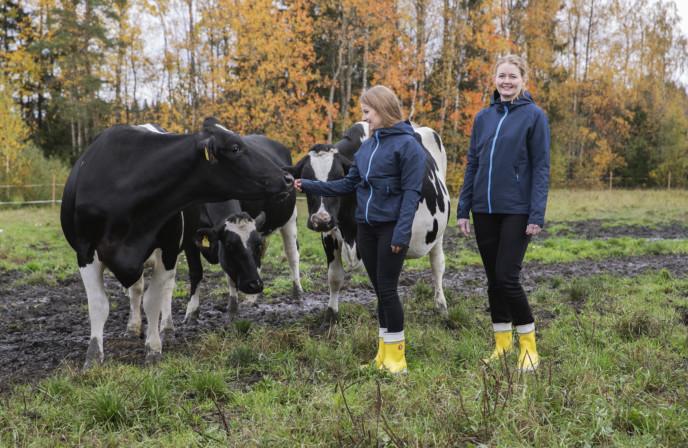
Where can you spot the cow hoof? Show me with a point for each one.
(167, 335)
(191, 318)
(330, 318)
(233, 307)
(442, 308)
(296, 291)
(152, 357)
(93, 355)
(132, 333)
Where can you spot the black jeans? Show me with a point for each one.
(502, 242)
(384, 267)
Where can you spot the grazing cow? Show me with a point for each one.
(226, 233)
(334, 216)
(238, 242)
(122, 201)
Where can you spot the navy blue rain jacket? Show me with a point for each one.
(508, 161)
(387, 175)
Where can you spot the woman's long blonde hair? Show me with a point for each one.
(517, 61)
(385, 102)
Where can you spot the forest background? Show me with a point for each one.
(609, 74)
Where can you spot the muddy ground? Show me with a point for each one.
(43, 327)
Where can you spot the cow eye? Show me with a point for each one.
(235, 148)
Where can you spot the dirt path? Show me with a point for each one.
(42, 327)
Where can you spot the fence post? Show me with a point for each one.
(52, 204)
(611, 177)
(669, 181)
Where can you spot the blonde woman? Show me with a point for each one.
(387, 176)
(505, 187)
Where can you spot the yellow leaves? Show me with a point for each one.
(13, 134)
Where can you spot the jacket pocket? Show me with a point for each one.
(391, 187)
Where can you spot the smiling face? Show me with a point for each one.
(509, 81)
(371, 117)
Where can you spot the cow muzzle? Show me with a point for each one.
(251, 286)
(321, 222)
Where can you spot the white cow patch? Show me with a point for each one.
(223, 128)
(321, 162)
(243, 228)
(181, 237)
(366, 130)
(151, 128)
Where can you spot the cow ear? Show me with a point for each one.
(260, 221)
(205, 237)
(208, 148)
(346, 163)
(297, 169)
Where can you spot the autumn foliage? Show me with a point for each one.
(605, 71)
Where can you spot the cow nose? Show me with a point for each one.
(256, 286)
(321, 221)
(288, 179)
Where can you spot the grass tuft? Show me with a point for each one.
(107, 406)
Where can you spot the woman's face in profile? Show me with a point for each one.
(371, 117)
(508, 81)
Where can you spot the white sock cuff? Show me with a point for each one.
(527, 328)
(394, 337)
(501, 327)
(382, 332)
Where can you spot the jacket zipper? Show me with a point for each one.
(489, 176)
(370, 162)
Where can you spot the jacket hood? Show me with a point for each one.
(403, 127)
(522, 100)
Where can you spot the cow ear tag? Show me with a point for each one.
(205, 242)
(205, 150)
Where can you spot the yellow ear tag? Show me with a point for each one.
(205, 149)
(205, 242)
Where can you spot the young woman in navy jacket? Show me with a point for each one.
(387, 176)
(505, 187)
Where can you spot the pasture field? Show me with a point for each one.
(608, 283)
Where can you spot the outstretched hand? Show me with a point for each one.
(297, 185)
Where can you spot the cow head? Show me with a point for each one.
(254, 176)
(323, 162)
(240, 247)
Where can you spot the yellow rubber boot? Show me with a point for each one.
(380, 357)
(504, 343)
(528, 358)
(395, 357)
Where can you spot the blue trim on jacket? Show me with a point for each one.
(508, 161)
(391, 188)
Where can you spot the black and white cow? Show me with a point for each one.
(227, 233)
(334, 217)
(122, 201)
(239, 242)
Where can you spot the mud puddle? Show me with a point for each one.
(43, 327)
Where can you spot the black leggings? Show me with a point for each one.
(502, 242)
(384, 267)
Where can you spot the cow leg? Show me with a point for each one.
(193, 257)
(437, 265)
(335, 280)
(233, 304)
(134, 326)
(291, 250)
(98, 309)
(159, 290)
(166, 321)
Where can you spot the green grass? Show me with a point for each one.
(613, 374)
(32, 242)
(640, 207)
